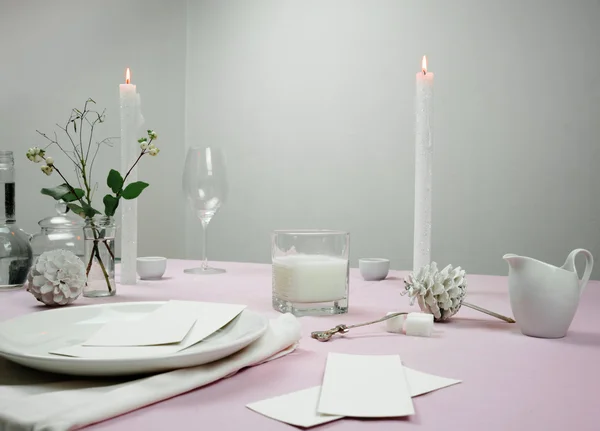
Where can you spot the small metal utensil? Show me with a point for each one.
(489, 313)
(343, 329)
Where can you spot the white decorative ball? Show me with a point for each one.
(57, 277)
(440, 293)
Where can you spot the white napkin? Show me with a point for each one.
(32, 400)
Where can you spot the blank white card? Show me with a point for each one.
(365, 386)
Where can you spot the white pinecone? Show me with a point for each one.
(57, 277)
(440, 293)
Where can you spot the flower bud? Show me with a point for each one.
(47, 169)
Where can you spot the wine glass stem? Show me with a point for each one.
(204, 258)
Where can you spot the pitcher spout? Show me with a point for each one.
(513, 260)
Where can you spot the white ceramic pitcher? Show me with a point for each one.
(544, 298)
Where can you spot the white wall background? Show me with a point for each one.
(313, 102)
(56, 54)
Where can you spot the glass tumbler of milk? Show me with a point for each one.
(310, 271)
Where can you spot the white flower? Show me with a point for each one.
(438, 292)
(151, 146)
(49, 161)
(144, 145)
(152, 135)
(57, 277)
(47, 169)
(35, 154)
(154, 151)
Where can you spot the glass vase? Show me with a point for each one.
(99, 237)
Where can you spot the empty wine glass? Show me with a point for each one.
(205, 185)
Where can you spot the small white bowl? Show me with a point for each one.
(152, 267)
(374, 269)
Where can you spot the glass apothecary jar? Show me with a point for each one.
(62, 231)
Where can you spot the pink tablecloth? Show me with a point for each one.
(510, 381)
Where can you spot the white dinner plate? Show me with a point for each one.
(27, 340)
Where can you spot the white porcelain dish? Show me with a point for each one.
(27, 340)
(151, 267)
(374, 269)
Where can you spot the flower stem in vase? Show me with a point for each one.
(98, 236)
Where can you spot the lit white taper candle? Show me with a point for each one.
(130, 125)
(423, 167)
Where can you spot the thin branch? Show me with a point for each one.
(55, 141)
(94, 159)
(133, 166)
(64, 129)
(68, 185)
(94, 189)
(92, 124)
(82, 116)
(77, 176)
(107, 141)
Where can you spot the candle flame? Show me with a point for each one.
(424, 65)
(127, 76)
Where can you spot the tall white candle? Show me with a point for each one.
(130, 150)
(423, 167)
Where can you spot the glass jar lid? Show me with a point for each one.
(62, 220)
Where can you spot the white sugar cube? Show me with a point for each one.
(418, 324)
(394, 324)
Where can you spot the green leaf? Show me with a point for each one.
(57, 192)
(110, 205)
(75, 126)
(83, 211)
(133, 190)
(88, 210)
(114, 181)
(77, 210)
(70, 197)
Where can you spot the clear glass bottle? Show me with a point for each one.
(99, 260)
(15, 251)
(61, 231)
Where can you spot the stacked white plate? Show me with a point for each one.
(28, 339)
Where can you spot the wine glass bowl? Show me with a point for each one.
(205, 186)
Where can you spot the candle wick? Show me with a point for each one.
(424, 72)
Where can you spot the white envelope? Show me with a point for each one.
(365, 386)
(297, 408)
(300, 408)
(168, 324)
(210, 317)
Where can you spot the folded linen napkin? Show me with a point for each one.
(32, 400)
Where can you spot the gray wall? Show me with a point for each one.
(313, 102)
(56, 54)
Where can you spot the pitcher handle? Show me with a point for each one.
(589, 264)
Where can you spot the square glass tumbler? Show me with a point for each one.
(310, 271)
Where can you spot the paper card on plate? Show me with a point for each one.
(365, 386)
(297, 408)
(210, 317)
(168, 324)
(421, 383)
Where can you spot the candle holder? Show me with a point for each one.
(310, 271)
